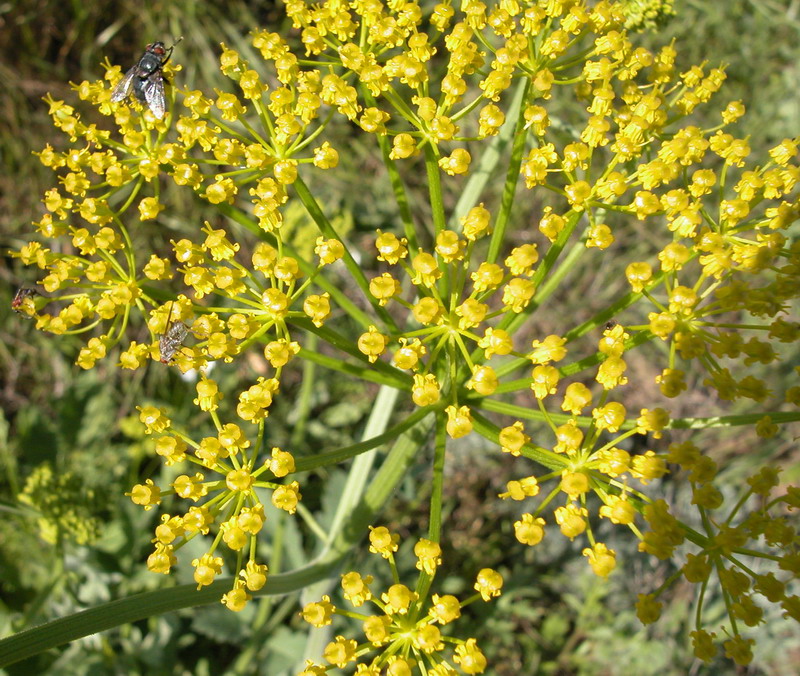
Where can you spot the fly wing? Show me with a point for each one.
(154, 94)
(123, 88)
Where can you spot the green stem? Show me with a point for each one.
(339, 296)
(306, 392)
(341, 454)
(327, 230)
(434, 188)
(489, 159)
(437, 489)
(510, 186)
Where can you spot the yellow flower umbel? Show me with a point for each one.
(453, 298)
(408, 631)
(228, 488)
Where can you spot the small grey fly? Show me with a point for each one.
(172, 339)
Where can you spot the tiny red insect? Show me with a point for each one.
(18, 303)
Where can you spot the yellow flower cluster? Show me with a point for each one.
(445, 311)
(229, 489)
(406, 631)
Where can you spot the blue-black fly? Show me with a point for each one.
(146, 79)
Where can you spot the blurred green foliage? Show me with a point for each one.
(555, 617)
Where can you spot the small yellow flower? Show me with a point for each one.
(208, 395)
(279, 352)
(356, 588)
(495, 341)
(341, 651)
(425, 390)
(476, 223)
(147, 494)
(609, 417)
(376, 629)
(576, 397)
(328, 250)
(372, 343)
(470, 658)
(317, 307)
(459, 422)
(239, 480)
(519, 490)
(222, 190)
(571, 519)
(162, 559)
(545, 380)
(648, 610)
(398, 599)
(618, 510)
(281, 463)
(254, 575)
(517, 293)
(488, 583)
(574, 484)
(648, 466)
(403, 146)
(384, 288)
(319, 613)
(601, 559)
(236, 598)
(190, 487)
(206, 568)
(429, 555)
(456, 163)
(382, 541)
(427, 311)
(639, 275)
(449, 247)
(287, 497)
(426, 270)
(529, 530)
(484, 380)
(408, 355)
(154, 419)
(171, 448)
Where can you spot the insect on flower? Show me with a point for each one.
(172, 339)
(22, 303)
(146, 79)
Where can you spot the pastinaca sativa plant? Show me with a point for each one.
(522, 142)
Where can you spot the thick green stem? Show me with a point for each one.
(435, 188)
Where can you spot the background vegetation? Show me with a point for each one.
(69, 444)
